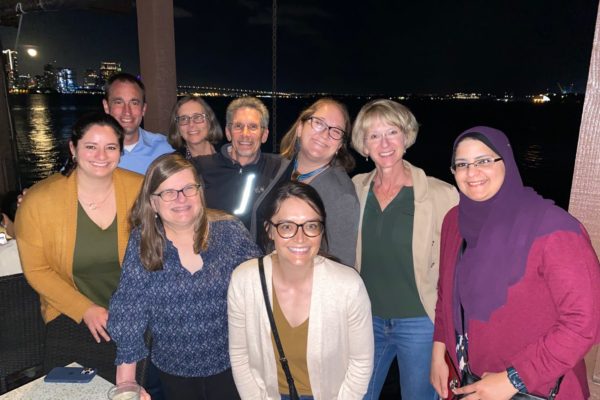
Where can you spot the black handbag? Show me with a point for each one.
(468, 377)
(282, 359)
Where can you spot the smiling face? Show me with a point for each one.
(384, 143)
(183, 212)
(126, 104)
(246, 135)
(319, 148)
(478, 183)
(299, 250)
(97, 152)
(194, 132)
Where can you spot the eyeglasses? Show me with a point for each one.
(238, 127)
(319, 126)
(173, 194)
(288, 229)
(392, 134)
(185, 119)
(481, 163)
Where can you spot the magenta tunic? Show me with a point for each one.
(549, 321)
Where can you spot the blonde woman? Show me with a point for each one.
(401, 213)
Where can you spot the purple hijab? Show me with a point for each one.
(499, 233)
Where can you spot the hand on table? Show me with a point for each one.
(492, 386)
(96, 318)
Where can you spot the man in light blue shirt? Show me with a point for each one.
(125, 100)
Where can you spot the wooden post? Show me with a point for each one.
(585, 191)
(156, 38)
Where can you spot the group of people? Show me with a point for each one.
(241, 274)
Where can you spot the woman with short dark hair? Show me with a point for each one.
(73, 231)
(320, 308)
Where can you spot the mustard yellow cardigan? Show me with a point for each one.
(46, 226)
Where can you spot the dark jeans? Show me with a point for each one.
(215, 387)
(68, 341)
(152, 382)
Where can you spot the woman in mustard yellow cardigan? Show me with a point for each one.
(73, 231)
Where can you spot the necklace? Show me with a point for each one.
(94, 205)
(297, 176)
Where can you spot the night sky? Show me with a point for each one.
(390, 47)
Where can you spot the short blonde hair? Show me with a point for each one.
(390, 112)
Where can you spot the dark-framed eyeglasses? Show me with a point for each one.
(288, 229)
(487, 162)
(198, 118)
(173, 194)
(319, 126)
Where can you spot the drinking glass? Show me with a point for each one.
(125, 391)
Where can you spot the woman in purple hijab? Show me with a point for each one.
(519, 281)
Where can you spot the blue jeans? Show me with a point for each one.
(410, 340)
(287, 397)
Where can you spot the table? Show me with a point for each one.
(96, 389)
(10, 263)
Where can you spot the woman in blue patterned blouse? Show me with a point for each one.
(174, 282)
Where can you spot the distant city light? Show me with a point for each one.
(32, 52)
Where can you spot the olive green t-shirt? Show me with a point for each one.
(294, 341)
(387, 260)
(96, 269)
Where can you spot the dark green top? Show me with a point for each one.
(387, 259)
(96, 269)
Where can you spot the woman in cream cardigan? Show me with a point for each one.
(321, 310)
(72, 233)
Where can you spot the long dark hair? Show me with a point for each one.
(81, 127)
(300, 191)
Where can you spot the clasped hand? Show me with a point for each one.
(492, 386)
(96, 319)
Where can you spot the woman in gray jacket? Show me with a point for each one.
(315, 152)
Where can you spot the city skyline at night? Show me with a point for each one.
(339, 47)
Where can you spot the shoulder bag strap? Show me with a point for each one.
(282, 359)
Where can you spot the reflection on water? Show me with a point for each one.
(42, 142)
(533, 157)
(43, 126)
(544, 138)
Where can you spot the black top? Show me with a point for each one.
(231, 187)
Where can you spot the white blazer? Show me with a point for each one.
(340, 333)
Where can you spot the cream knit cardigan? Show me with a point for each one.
(340, 333)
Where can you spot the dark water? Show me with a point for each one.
(544, 136)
